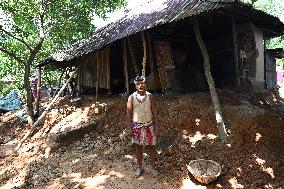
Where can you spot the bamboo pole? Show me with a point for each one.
(145, 53)
(218, 113)
(125, 66)
(132, 56)
(41, 118)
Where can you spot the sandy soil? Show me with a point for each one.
(251, 158)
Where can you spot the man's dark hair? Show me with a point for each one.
(138, 78)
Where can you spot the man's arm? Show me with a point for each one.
(154, 111)
(129, 112)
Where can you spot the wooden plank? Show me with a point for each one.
(165, 63)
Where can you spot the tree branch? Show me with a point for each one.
(11, 35)
(41, 26)
(23, 33)
(11, 55)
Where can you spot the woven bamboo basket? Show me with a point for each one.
(205, 171)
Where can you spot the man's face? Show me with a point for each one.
(140, 86)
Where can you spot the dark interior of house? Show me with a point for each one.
(117, 84)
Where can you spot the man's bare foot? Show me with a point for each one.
(155, 173)
(138, 172)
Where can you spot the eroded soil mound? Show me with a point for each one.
(251, 158)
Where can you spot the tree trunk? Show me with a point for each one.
(32, 56)
(29, 97)
(210, 81)
(38, 90)
(27, 84)
(41, 118)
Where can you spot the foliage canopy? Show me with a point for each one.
(50, 25)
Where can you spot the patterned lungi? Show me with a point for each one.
(143, 134)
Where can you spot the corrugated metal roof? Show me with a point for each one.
(148, 15)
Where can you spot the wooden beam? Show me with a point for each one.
(108, 68)
(61, 77)
(145, 53)
(125, 66)
(235, 49)
(98, 77)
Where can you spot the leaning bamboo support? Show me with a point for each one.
(125, 66)
(41, 118)
(145, 53)
(218, 113)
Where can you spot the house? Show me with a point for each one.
(157, 40)
(274, 72)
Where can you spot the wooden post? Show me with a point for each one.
(266, 67)
(108, 68)
(47, 77)
(235, 46)
(150, 51)
(38, 90)
(132, 56)
(145, 53)
(98, 77)
(41, 118)
(61, 77)
(125, 66)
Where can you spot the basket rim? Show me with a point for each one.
(215, 163)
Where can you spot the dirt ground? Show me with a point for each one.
(252, 157)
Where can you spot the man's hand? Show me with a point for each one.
(129, 132)
(157, 133)
(126, 133)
